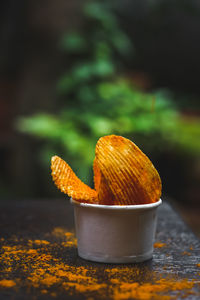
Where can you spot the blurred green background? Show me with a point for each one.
(74, 71)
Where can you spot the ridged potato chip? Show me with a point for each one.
(123, 175)
(105, 196)
(66, 181)
(127, 172)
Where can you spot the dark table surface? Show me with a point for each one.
(39, 258)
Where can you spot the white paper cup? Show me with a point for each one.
(113, 233)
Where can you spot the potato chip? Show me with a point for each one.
(127, 173)
(123, 175)
(66, 181)
(105, 196)
(97, 175)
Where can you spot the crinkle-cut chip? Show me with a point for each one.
(123, 175)
(97, 175)
(66, 180)
(105, 196)
(127, 172)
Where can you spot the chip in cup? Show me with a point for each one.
(66, 181)
(123, 175)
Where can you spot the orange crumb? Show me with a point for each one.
(7, 283)
(159, 245)
(32, 252)
(41, 242)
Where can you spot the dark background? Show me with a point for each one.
(166, 46)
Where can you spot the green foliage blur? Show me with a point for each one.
(96, 99)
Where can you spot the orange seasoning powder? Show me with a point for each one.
(159, 245)
(45, 266)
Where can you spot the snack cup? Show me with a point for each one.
(114, 233)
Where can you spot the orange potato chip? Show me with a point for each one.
(66, 181)
(97, 175)
(105, 196)
(127, 172)
(123, 175)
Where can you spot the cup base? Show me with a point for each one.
(116, 260)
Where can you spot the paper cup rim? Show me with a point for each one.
(118, 207)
